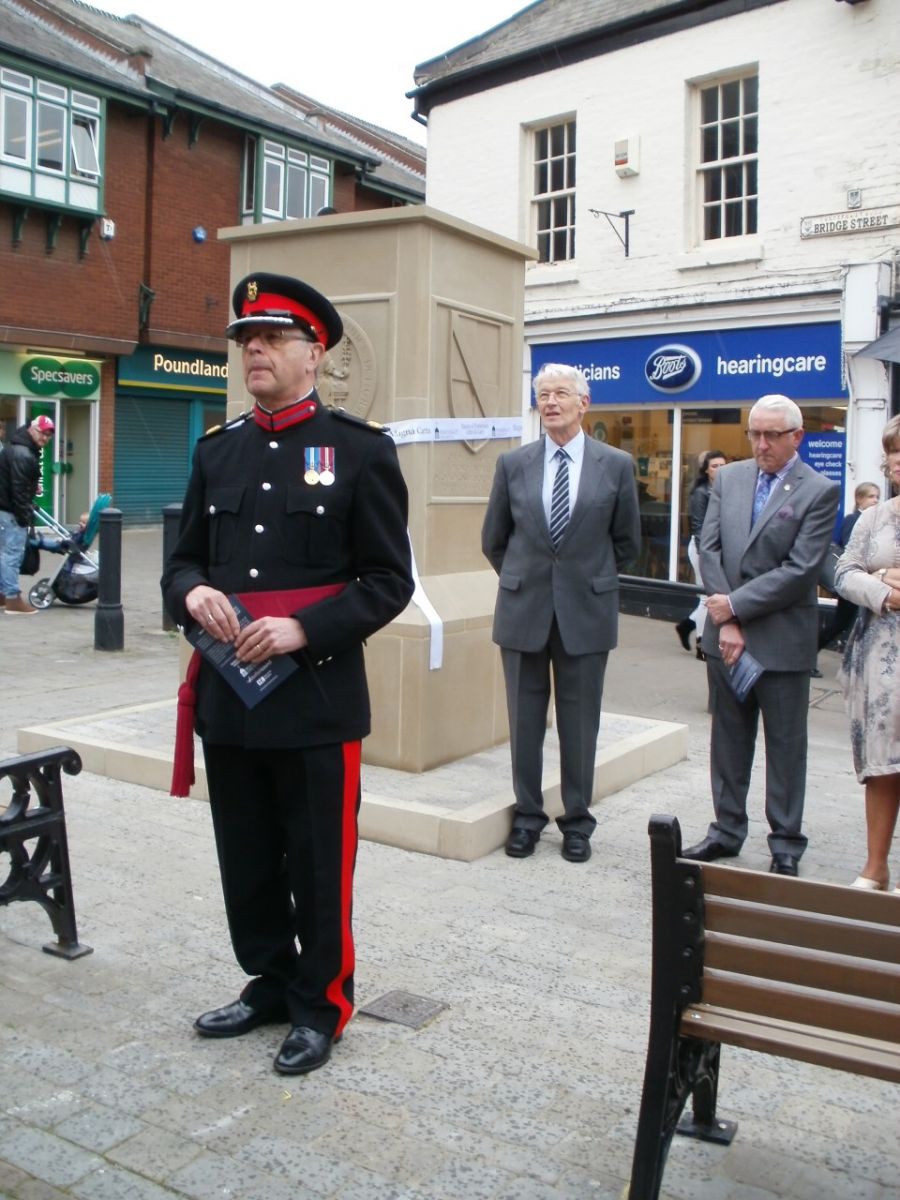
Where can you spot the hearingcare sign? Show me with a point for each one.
(730, 365)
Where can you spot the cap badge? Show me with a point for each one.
(252, 290)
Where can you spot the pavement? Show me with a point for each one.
(523, 1085)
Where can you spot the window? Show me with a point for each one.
(554, 192)
(729, 157)
(282, 182)
(50, 148)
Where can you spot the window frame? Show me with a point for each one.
(291, 170)
(726, 188)
(73, 122)
(553, 164)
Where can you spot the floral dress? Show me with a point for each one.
(870, 673)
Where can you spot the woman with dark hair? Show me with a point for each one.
(708, 464)
(868, 574)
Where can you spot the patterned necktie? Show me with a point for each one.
(763, 488)
(559, 499)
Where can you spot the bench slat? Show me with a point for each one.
(806, 895)
(788, 1002)
(813, 930)
(800, 965)
(790, 1039)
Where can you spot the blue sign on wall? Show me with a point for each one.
(728, 365)
(827, 452)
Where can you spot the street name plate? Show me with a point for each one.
(404, 1009)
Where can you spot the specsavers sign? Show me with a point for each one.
(733, 365)
(49, 375)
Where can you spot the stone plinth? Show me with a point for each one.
(433, 319)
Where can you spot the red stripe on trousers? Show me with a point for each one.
(335, 990)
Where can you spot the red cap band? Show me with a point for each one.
(269, 304)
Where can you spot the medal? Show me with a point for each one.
(319, 464)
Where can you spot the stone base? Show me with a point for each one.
(462, 810)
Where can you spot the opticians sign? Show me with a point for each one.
(53, 377)
(732, 365)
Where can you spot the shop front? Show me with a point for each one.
(165, 399)
(67, 390)
(666, 399)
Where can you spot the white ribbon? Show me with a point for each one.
(454, 429)
(421, 601)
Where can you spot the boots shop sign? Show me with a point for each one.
(74, 378)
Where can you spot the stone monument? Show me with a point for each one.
(432, 347)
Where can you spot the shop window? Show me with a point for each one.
(282, 182)
(50, 142)
(553, 199)
(728, 167)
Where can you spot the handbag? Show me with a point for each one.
(31, 559)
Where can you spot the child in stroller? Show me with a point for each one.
(75, 580)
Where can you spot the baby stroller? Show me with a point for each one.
(75, 580)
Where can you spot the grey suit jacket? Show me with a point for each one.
(578, 583)
(770, 571)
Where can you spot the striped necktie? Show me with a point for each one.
(763, 490)
(559, 499)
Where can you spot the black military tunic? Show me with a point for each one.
(284, 776)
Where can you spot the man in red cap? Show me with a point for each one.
(20, 475)
(301, 511)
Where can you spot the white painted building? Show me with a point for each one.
(749, 154)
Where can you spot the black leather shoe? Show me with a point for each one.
(708, 851)
(521, 842)
(576, 847)
(235, 1019)
(784, 864)
(303, 1050)
(684, 629)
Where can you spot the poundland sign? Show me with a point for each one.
(162, 368)
(75, 378)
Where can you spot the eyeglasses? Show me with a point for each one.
(270, 338)
(771, 435)
(560, 393)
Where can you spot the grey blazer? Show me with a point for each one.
(770, 572)
(578, 583)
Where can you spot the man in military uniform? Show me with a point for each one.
(301, 511)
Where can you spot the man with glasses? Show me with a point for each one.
(767, 530)
(300, 511)
(561, 523)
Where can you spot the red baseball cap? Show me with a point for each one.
(43, 424)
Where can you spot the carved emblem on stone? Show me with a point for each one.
(349, 373)
(473, 365)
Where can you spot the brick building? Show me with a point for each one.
(122, 151)
(714, 191)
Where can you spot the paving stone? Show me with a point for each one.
(97, 1127)
(113, 1183)
(156, 1153)
(44, 1155)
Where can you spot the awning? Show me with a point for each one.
(887, 347)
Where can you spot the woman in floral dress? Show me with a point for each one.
(868, 574)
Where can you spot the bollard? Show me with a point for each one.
(109, 621)
(171, 514)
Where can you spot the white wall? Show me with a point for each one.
(829, 103)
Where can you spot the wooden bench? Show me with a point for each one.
(33, 835)
(790, 967)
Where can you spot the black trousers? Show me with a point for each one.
(286, 835)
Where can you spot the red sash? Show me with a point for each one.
(258, 604)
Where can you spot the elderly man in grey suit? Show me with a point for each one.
(767, 529)
(561, 522)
